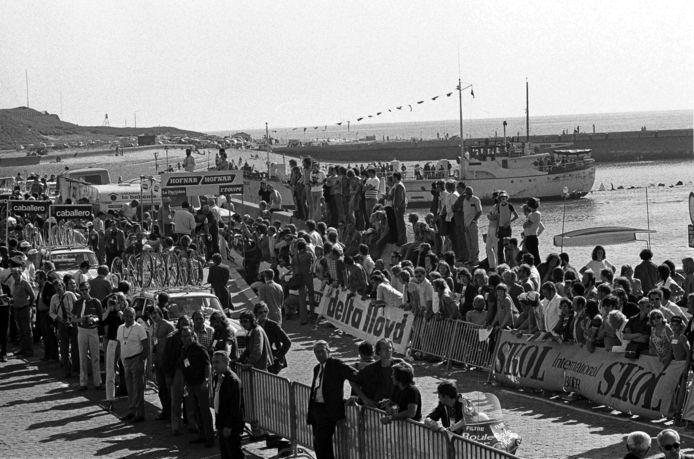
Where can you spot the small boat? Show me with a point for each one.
(600, 235)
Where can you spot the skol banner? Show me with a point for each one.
(641, 386)
(363, 320)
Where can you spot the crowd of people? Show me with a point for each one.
(353, 236)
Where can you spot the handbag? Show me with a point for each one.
(633, 350)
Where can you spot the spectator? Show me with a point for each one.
(227, 402)
(449, 411)
(272, 295)
(638, 444)
(258, 352)
(406, 401)
(279, 341)
(669, 444)
(161, 330)
(195, 365)
(133, 348)
(646, 271)
(88, 312)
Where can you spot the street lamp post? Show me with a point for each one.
(135, 117)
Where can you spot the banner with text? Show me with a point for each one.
(639, 386)
(28, 207)
(202, 183)
(361, 319)
(71, 211)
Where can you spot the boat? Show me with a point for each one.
(520, 168)
(600, 235)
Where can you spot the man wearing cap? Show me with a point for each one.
(472, 210)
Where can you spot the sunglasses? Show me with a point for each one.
(675, 445)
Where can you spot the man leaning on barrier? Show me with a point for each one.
(326, 405)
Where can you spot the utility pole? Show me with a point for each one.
(26, 79)
(267, 138)
(527, 113)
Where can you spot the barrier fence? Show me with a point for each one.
(452, 340)
(280, 406)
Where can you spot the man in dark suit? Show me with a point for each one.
(227, 401)
(218, 279)
(326, 405)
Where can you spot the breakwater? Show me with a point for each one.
(606, 147)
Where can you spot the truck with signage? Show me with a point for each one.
(94, 186)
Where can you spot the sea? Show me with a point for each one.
(481, 128)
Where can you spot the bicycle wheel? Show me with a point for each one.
(183, 271)
(117, 269)
(158, 270)
(171, 271)
(194, 271)
(132, 271)
(145, 270)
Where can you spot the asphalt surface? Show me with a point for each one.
(44, 415)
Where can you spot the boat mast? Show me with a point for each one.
(527, 113)
(462, 138)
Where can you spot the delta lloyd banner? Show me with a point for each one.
(639, 386)
(361, 319)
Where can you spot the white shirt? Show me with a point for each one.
(317, 179)
(391, 296)
(550, 309)
(450, 200)
(130, 339)
(374, 182)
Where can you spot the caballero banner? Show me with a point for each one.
(28, 207)
(72, 211)
(641, 386)
(361, 319)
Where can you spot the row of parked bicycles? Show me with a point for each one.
(154, 270)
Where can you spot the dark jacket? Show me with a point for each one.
(172, 351)
(279, 341)
(231, 409)
(440, 413)
(334, 377)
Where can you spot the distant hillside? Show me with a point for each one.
(25, 126)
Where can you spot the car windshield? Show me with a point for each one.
(187, 305)
(72, 260)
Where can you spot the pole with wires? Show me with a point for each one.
(648, 219)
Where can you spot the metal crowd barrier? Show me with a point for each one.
(400, 439)
(452, 340)
(466, 449)
(280, 406)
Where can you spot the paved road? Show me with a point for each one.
(44, 415)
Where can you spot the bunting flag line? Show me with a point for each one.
(390, 110)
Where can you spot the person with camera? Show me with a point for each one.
(87, 313)
(111, 319)
(60, 310)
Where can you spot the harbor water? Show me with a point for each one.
(667, 206)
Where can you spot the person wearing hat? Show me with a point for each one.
(472, 210)
(532, 228)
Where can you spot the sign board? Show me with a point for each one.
(72, 211)
(363, 319)
(176, 194)
(642, 386)
(28, 207)
(204, 182)
(691, 236)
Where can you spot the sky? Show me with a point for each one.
(223, 65)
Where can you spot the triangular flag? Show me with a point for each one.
(472, 93)
(390, 110)
(399, 108)
(340, 123)
(379, 113)
(435, 97)
(410, 106)
(315, 127)
(359, 119)
(371, 116)
(420, 102)
(304, 129)
(449, 94)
